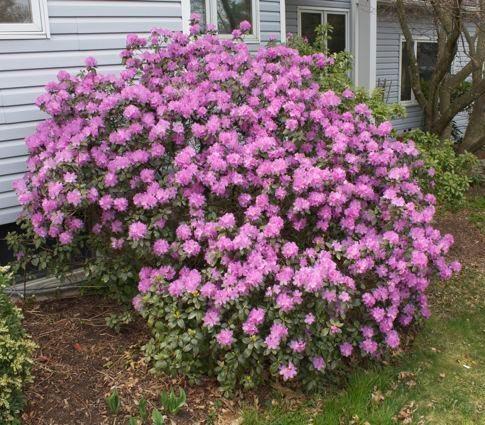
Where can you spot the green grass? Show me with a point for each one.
(440, 381)
(476, 207)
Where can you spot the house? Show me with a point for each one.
(40, 37)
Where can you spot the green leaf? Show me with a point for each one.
(157, 418)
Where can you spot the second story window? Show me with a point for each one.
(226, 15)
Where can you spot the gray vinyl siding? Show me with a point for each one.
(292, 15)
(79, 28)
(388, 63)
(269, 20)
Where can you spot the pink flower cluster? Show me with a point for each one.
(286, 211)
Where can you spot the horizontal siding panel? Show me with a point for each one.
(12, 166)
(28, 78)
(113, 9)
(8, 199)
(16, 131)
(23, 61)
(20, 96)
(98, 25)
(7, 181)
(267, 6)
(12, 148)
(23, 113)
(9, 215)
(58, 43)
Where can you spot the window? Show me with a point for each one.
(226, 15)
(310, 19)
(23, 19)
(426, 52)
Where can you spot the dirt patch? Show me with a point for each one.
(80, 359)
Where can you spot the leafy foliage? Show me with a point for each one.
(116, 321)
(173, 403)
(113, 402)
(16, 350)
(444, 173)
(337, 77)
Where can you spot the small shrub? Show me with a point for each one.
(444, 173)
(172, 403)
(16, 350)
(157, 417)
(276, 227)
(116, 321)
(143, 409)
(113, 402)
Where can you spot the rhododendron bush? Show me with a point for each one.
(274, 227)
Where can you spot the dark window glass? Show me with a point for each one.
(337, 43)
(427, 54)
(405, 77)
(15, 12)
(230, 13)
(309, 23)
(198, 6)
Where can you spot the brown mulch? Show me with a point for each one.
(80, 359)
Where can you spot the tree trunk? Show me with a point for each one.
(474, 138)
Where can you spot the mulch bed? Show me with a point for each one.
(80, 359)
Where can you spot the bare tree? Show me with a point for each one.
(458, 24)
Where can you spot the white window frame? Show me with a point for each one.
(324, 11)
(211, 17)
(416, 40)
(38, 28)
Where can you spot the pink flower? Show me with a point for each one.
(309, 319)
(137, 231)
(161, 247)
(290, 249)
(298, 346)
(288, 371)
(346, 349)
(225, 338)
(74, 197)
(211, 318)
(90, 62)
(245, 26)
(318, 363)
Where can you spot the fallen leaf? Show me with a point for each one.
(377, 396)
(77, 346)
(405, 415)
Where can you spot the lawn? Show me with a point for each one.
(440, 379)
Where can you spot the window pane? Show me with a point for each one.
(230, 13)
(198, 6)
(15, 11)
(337, 43)
(309, 23)
(405, 77)
(427, 55)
